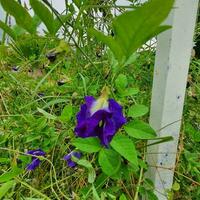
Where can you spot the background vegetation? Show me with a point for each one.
(43, 81)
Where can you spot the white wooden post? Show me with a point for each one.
(170, 77)
(1, 18)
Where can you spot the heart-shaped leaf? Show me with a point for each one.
(137, 110)
(140, 130)
(125, 147)
(109, 161)
(89, 145)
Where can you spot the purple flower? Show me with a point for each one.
(35, 161)
(68, 158)
(99, 118)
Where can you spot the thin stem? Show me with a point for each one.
(139, 181)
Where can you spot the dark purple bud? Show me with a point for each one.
(35, 161)
(69, 160)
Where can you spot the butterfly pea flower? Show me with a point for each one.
(35, 161)
(100, 118)
(69, 160)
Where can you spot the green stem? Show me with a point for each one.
(139, 181)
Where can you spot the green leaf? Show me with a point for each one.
(58, 24)
(134, 28)
(44, 14)
(95, 194)
(10, 175)
(84, 163)
(67, 113)
(18, 30)
(110, 42)
(91, 171)
(121, 82)
(192, 132)
(53, 102)
(20, 14)
(46, 114)
(140, 130)
(78, 3)
(122, 197)
(91, 175)
(125, 147)
(8, 30)
(151, 195)
(131, 59)
(89, 145)
(176, 186)
(109, 161)
(36, 20)
(129, 92)
(31, 138)
(4, 160)
(5, 188)
(137, 111)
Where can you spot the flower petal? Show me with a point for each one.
(35, 163)
(90, 100)
(117, 116)
(37, 152)
(99, 118)
(68, 157)
(85, 109)
(108, 132)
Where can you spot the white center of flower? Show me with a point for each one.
(99, 104)
(102, 102)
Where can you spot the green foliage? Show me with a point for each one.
(122, 197)
(134, 28)
(95, 194)
(91, 171)
(44, 14)
(46, 114)
(137, 111)
(110, 161)
(4, 188)
(176, 186)
(66, 114)
(58, 22)
(89, 145)
(192, 132)
(140, 130)
(121, 83)
(7, 30)
(7, 176)
(47, 17)
(27, 23)
(20, 14)
(51, 127)
(125, 147)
